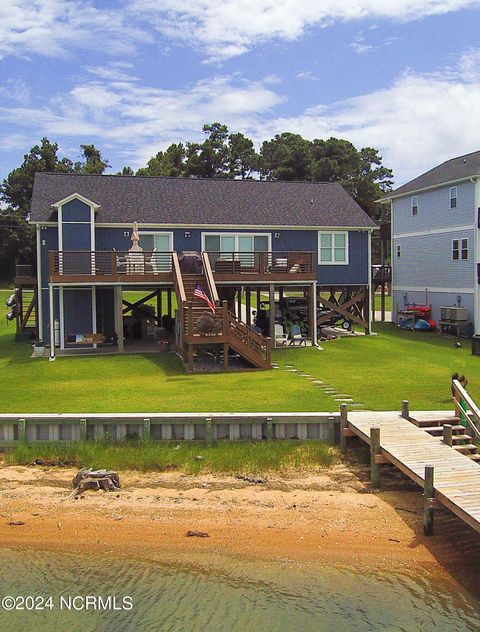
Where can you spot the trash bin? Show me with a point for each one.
(476, 345)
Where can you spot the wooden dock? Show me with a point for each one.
(456, 478)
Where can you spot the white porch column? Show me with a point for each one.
(52, 323)
(314, 290)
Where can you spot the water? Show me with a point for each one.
(233, 595)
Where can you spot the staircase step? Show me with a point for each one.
(422, 423)
(468, 447)
(474, 457)
(438, 430)
(462, 437)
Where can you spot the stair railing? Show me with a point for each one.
(465, 407)
(207, 269)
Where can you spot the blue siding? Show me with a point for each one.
(75, 211)
(435, 299)
(426, 261)
(105, 311)
(434, 210)
(77, 309)
(76, 237)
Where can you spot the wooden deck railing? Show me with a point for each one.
(264, 263)
(76, 263)
(207, 270)
(225, 325)
(465, 408)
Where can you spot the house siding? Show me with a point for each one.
(434, 210)
(436, 299)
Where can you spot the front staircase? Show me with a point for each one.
(222, 332)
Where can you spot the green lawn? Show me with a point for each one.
(378, 302)
(378, 371)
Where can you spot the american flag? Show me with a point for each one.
(199, 293)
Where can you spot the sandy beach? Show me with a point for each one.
(329, 516)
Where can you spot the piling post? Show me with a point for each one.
(83, 429)
(428, 498)
(22, 431)
(406, 409)
(146, 430)
(269, 429)
(208, 432)
(374, 452)
(448, 434)
(343, 426)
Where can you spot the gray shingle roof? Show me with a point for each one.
(188, 201)
(452, 170)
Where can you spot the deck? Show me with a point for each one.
(410, 449)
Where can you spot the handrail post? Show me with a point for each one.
(448, 434)
(225, 317)
(190, 319)
(374, 451)
(428, 497)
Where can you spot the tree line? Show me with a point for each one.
(222, 154)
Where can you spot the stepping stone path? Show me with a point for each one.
(340, 398)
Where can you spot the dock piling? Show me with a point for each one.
(428, 498)
(374, 451)
(343, 426)
(406, 409)
(448, 434)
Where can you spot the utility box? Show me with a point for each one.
(476, 345)
(454, 314)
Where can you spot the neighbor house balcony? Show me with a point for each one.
(245, 267)
(77, 266)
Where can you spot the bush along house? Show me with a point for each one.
(435, 257)
(217, 268)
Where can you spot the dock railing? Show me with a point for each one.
(465, 408)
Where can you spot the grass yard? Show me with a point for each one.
(378, 371)
(191, 458)
(378, 302)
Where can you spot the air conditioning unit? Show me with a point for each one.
(454, 314)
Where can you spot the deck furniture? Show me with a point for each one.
(297, 339)
(281, 338)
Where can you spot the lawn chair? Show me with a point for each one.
(281, 337)
(296, 337)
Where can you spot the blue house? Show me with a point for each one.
(297, 253)
(435, 253)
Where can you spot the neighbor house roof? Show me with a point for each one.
(460, 168)
(191, 201)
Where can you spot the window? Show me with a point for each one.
(453, 197)
(333, 248)
(414, 204)
(224, 245)
(460, 249)
(159, 244)
(399, 251)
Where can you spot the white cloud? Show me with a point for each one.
(230, 27)
(417, 122)
(53, 27)
(137, 120)
(223, 29)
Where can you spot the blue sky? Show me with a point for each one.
(132, 77)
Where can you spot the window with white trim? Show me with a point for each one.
(399, 251)
(460, 249)
(453, 197)
(414, 204)
(333, 248)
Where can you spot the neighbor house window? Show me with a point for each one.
(453, 197)
(333, 247)
(414, 204)
(459, 249)
(399, 251)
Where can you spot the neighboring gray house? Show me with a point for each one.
(435, 225)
